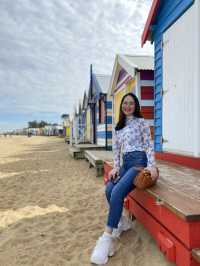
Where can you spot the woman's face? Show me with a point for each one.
(128, 105)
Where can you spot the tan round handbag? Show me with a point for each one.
(144, 180)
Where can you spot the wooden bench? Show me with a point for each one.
(76, 153)
(96, 159)
(77, 150)
(171, 212)
(89, 146)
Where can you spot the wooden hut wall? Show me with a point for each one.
(169, 12)
(88, 125)
(104, 127)
(146, 96)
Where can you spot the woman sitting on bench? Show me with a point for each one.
(132, 138)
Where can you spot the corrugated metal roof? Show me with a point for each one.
(103, 82)
(130, 63)
(140, 62)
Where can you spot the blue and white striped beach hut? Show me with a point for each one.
(100, 110)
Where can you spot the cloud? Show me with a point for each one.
(47, 48)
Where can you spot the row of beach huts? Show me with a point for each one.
(47, 130)
(168, 87)
(93, 122)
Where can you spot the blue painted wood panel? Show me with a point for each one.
(167, 14)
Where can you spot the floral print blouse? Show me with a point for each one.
(135, 136)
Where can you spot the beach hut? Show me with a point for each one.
(83, 116)
(78, 124)
(89, 111)
(74, 127)
(133, 74)
(173, 27)
(92, 110)
(80, 127)
(88, 122)
(81, 122)
(100, 85)
(99, 110)
(66, 127)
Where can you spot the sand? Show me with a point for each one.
(53, 209)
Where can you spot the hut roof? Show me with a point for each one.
(130, 63)
(101, 82)
(140, 62)
(146, 35)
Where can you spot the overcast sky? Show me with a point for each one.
(47, 46)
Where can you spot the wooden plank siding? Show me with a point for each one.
(170, 11)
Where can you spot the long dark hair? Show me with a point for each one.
(122, 117)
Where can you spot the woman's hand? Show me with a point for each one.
(154, 172)
(113, 173)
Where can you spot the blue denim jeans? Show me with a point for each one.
(116, 192)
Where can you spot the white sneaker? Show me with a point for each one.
(104, 248)
(124, 225)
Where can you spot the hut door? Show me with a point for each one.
(88, 125)
(178, 86)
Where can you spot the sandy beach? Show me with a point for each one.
(53, 209)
